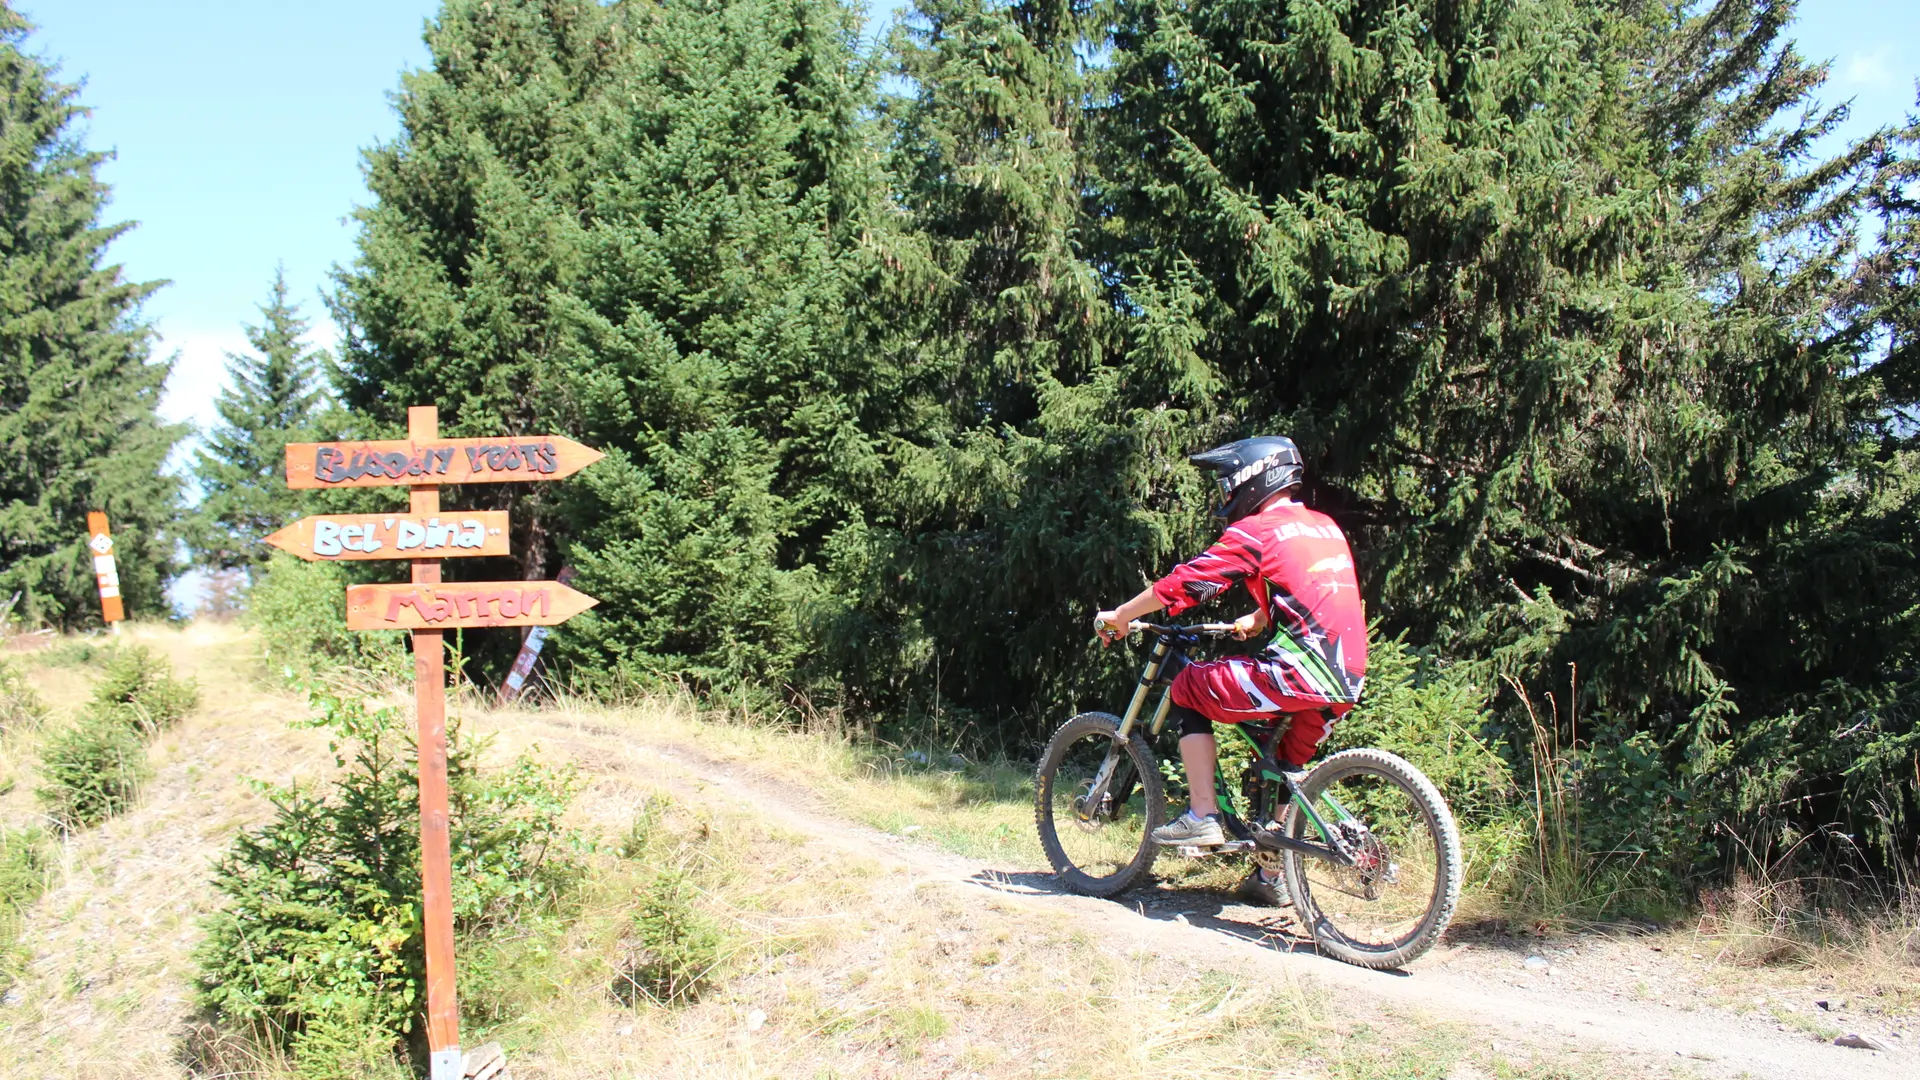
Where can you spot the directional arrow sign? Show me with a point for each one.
(462, 604)
(336, 537)
(398, 462)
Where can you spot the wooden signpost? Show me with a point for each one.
(427, 607)
(106, 573)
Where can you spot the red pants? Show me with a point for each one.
(1237, 688)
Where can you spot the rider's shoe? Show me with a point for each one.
(1189, 831)
(1257, 891)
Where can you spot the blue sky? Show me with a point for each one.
(238, 128)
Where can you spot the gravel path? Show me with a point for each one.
(1577, 997)
(107, 988)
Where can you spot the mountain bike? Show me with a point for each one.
(1366, 843)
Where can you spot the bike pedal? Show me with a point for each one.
(1195, 851)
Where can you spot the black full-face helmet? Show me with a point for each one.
(1252, 471)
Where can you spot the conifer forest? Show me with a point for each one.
(1604, 356)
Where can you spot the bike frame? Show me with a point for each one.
(1170, 643)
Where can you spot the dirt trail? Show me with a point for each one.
(1555, 1014)
(110, 981)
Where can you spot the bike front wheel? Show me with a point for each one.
(1096, 799)
(1396, 900)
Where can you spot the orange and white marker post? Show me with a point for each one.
(424, 535)
(106, 573)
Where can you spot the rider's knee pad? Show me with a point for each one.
(1190, 721)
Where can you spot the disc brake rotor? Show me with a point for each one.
(1090, 813)
(1373, 864)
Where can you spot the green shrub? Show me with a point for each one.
(92, 770)
(1525, 795)
(319, 939)
(20, 708)
(676, 951)
(138, 685)
(347, 1042)
(75, 652)
(299, 610)
(26, 861)
(1436, 717)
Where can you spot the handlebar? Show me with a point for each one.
(1211, 629)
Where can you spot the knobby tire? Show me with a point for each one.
(1446, 836)
(1145, 778)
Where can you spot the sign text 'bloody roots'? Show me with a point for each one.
(394, 462)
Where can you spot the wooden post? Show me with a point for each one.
(436, 855)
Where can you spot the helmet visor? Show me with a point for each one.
(1219, 505)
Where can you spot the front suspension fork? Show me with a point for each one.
(1148, 676)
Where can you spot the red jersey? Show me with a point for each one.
(1296, 564)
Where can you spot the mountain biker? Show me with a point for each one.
(1297, 566)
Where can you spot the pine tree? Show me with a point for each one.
(1033, 481)
(640, 225)
(274, 397)
(79, 428)
(1568, 319)
(730, 259)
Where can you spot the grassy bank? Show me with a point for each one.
(725, 924)
(707, 934)
(983, 809)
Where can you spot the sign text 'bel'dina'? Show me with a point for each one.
(329, 537)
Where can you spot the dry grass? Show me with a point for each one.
(1765, 919)
(108, 982)
(61, 690)
(842, 958)
(1783, 930)
(845, 964)
(979, 809)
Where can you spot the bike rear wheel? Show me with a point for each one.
(1097, 840)
(1396, 901)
